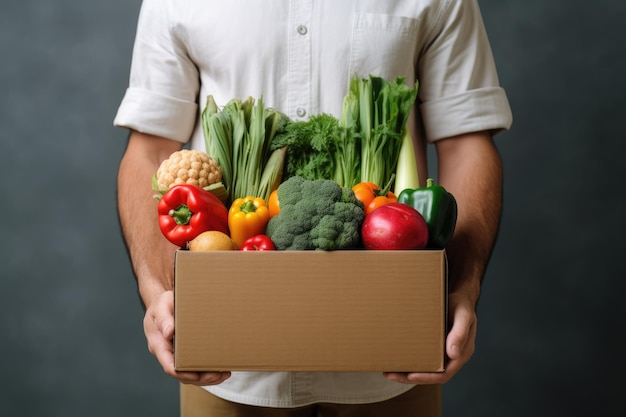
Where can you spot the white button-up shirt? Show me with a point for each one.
(299, 55)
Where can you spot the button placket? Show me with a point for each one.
(299, 88)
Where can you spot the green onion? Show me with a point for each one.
(218, 138)
(238, 136)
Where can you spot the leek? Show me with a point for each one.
(407, 176)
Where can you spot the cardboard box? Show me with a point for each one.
(310, 311)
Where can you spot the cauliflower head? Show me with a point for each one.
(316, 215)
(188, 166)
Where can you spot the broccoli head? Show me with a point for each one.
(316, 215)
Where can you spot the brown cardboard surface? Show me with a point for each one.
(310, 310)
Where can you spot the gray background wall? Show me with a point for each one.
(551, 317)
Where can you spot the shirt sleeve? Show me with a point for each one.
(459, 87)
(162, 95)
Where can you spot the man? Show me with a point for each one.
(300, 55)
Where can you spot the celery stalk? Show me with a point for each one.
(384, 110)
(348, 157)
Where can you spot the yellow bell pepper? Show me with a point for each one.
(247, 217)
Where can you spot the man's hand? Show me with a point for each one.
(152, 255)
(158, 325)
(470, 168)
(459, 345)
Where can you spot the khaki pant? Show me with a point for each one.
(421, 401)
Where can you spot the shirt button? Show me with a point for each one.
(300, 112)
(302, 30)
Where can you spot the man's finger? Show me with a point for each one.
(463, 324)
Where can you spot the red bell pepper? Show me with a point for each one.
(186, 210)
(258, 243)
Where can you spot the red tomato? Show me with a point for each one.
(258, 243)
(394, 226)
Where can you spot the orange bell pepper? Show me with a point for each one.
(372, 196)
(247, 217)
(273, 204)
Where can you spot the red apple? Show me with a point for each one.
(394, 226)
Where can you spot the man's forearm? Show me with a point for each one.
(151, 255)
(470, 168)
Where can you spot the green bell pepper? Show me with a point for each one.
(439, 209)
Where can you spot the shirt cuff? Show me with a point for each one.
(155, 114)
(472, 111)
